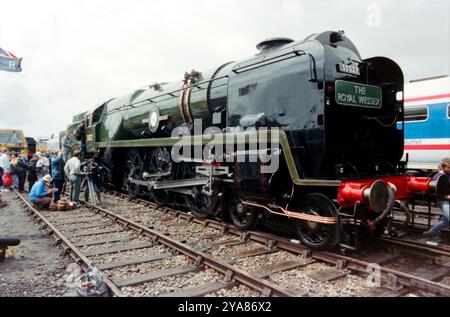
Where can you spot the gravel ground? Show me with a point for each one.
(111, 235)
(350, 285)
(33, 268)
(144, 268)
(232, 252)
(254, 263)
(136, 240)
(236, 291)
(408, 263)
(173, 283)
(106, 258)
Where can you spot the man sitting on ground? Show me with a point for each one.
(41, 193)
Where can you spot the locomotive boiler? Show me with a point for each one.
(305, 130)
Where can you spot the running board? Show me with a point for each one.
(171, 183)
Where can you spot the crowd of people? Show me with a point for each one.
(48, 172)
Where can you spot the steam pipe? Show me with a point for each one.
(405, 209)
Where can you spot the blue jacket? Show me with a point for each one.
(37, 191)
(56, 167)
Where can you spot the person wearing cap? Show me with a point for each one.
(72, 171)
(40, 194)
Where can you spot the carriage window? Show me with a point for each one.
(416, 114)
(448, 111)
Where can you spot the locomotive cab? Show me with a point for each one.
(93, 118)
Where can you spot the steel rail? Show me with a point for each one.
(443, 250)
(69, 248)
(404, 279)
(230, 272)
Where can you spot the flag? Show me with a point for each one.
(9, 62)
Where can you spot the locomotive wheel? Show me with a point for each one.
(242, 216)
(313, 234)
(159, 162)
(202, 205)
(134, 168)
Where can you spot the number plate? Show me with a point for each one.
(348, 69)
(358, 95)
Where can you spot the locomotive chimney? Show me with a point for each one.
(273, 44)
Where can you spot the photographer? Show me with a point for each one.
(72, 171)
(40, 193)
(91, 170)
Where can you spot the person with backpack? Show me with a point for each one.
(32, 171)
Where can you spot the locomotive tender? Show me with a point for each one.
(324, 116)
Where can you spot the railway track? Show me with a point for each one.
(265, 264)
(78, 233)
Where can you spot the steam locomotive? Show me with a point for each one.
(305, 130)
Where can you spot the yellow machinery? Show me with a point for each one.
(13, 140)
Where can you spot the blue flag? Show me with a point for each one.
(9, 62)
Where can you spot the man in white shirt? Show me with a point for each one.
(4, 166)
(72, 171)
(4, 161)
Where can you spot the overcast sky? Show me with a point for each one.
(78, 53)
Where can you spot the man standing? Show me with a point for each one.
(40, 191)
(72, 171)
(21, 171)
(66, 146)
(5, 166)
(442, 202)
(4, 161)
(57, 170)
(32, 171)
(81, 136)
(42, 165)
